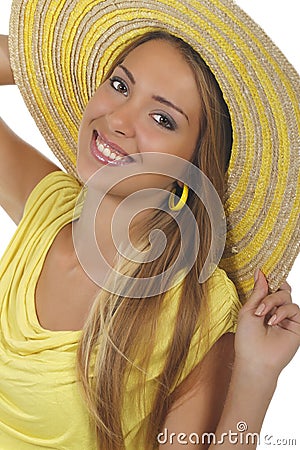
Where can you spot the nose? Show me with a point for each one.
(121, 122)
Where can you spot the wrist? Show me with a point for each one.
(260, 377)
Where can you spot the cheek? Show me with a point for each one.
(172, 143)
(150, 138)
(101, 103)
(95, 108)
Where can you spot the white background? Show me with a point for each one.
(280, 19)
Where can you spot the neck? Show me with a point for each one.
(104, 227)
(92, 235)
(109, 225)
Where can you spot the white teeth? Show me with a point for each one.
(106, 151)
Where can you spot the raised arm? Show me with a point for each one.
(21, 166)
(211, 416)
(267, 338)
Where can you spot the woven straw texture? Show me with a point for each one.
(61, 49)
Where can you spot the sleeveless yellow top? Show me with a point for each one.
(40, 399)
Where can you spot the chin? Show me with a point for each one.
(84, 170)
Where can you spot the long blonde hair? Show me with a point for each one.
(115, 333)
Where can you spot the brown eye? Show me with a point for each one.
(118, 85)
(164, 121)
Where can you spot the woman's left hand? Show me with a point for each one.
(268, 332)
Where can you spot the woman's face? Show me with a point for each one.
(150, 104)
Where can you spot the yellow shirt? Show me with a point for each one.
(40, 401)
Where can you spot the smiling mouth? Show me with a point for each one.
(108, 153)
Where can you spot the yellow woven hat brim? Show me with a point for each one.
(61, 49)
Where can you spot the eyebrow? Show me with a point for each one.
(128, 73)
(168, 103)
(158, 98)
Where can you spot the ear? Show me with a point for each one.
(180, 184)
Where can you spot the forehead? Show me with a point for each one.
(159, 65)
(159, 54)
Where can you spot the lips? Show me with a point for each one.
(107, 152)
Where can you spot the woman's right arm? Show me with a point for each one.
(261, 352)
(21, 166)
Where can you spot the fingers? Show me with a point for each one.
(273, 308)
(289, 311)
(285, 287)
(279, 298)
(276, 308)
(260, 290)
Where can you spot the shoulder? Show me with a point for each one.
(220, 283)
(54, 202)
(223, 299)
(222, 308)
(217, 318)
(55, 189)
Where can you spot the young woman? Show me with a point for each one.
(146, 363)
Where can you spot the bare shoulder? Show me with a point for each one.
(199, 400)
(21, 169)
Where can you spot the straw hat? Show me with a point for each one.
(61, 49)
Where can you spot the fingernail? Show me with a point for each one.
(256, 275)
(260, 309)
(272, 320)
